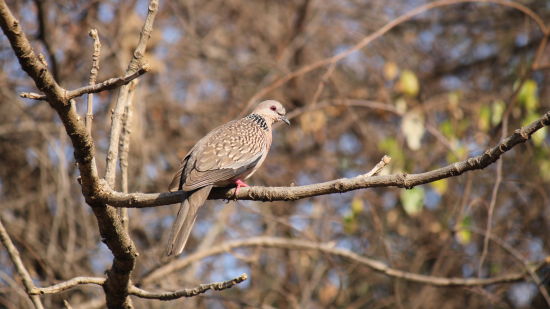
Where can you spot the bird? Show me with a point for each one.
(226, 156)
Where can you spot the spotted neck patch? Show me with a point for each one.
(259, 120)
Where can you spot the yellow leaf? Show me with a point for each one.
(464, 236)
(497, 111)
(408, 83)
(539, 136)
(528, 96)
(390, 70)
(440, 186)
(484, 118)
(357, 205)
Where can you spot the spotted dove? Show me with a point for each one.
(226, 156)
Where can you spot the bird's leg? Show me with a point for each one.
(239, 184)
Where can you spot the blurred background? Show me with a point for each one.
(428, 93)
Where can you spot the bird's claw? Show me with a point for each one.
(239, 184)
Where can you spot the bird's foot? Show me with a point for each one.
(239, 184)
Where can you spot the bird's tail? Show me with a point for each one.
(181, 229)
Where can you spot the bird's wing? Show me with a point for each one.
(225, 153)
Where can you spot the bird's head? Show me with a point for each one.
(271, 110)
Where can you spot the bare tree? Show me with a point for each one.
(439, 110)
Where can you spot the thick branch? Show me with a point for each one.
(124, 251)
(274, 242)
(112, 232)
(139, 200)
(217, 286)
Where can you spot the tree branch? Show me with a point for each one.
(109, 84)
(217, 286)
(19, 266)
(133, 290)
(111, 230)
(92, 81)
(140, 200)
(275, 242)
(123, 248)
(66, 285)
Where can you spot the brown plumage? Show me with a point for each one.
(228, 155)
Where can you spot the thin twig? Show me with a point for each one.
(322, 83)
(125, 147)
(93, 76)
(520, 259)
(19, 266)
(217, 286)
(109, 84)
(67, 304)
(122, 99)
(66, 285)
(379, 166)
(490, 212)
(133, 290)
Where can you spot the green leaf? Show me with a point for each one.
(446, 127)
(412, 200)
(350, 224)
(464, 235)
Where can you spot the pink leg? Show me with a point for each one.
(239, 184)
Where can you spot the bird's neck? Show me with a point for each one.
(263, 122)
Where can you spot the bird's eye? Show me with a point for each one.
(273, 108)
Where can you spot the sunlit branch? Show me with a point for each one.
(491, 155)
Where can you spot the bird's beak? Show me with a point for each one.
(285, 120)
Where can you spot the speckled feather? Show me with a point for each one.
(224, 155)
(231, 152)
